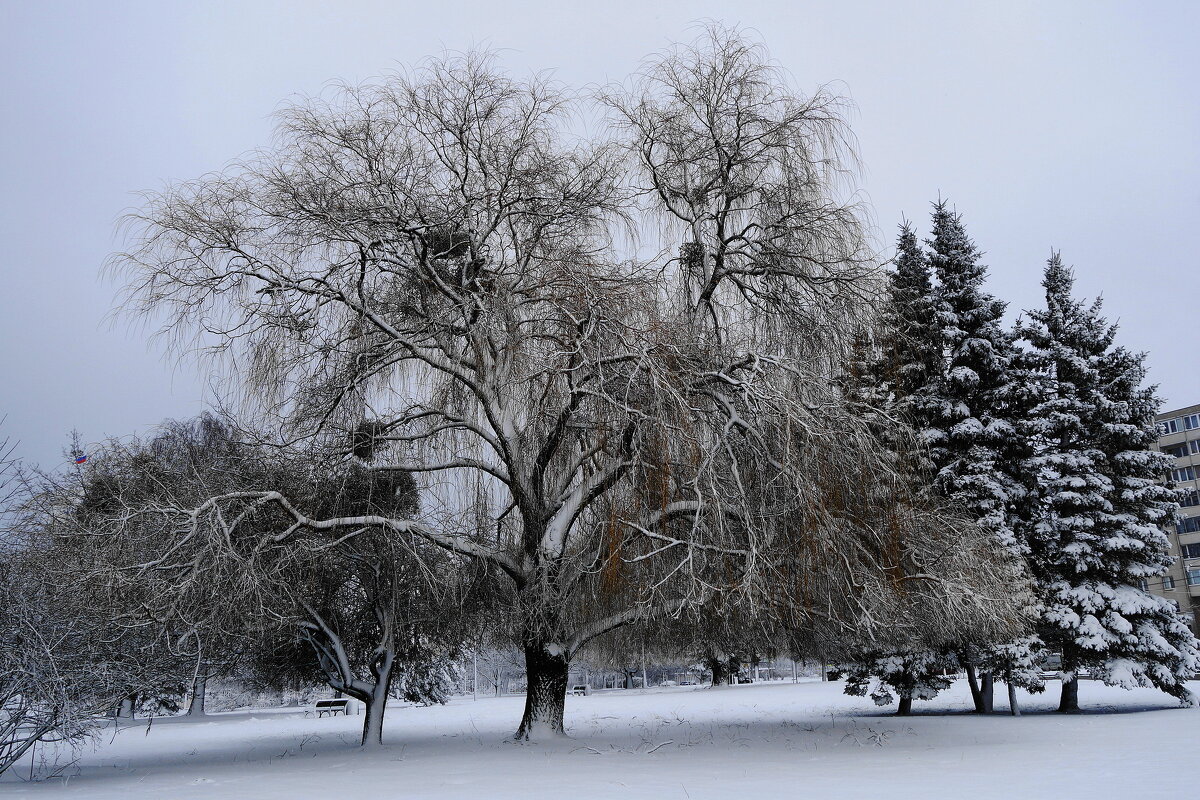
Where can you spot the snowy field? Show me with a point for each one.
(761, 740)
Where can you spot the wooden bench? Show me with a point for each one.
(581, 689)
(332, 707)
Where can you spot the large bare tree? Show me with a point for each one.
(609, 357)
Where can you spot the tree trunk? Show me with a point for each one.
(1068, 702)
(982, 686)
(376, 700)
(905, 708)
(973, 682)
(545, 693)
(1013, 708)
(199, 692)
(374, 707)
(986, 690)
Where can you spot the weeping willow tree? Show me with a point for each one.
(608, 358)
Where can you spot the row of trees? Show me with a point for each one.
(1045, 434)
(592, 382)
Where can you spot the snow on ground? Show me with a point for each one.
(759, 740)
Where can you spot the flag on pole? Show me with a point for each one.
(81, 460)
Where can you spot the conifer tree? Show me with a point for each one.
(972, 404)
(912, 343)
(948, 367)
(969, 435)
(890, 371)
(917, 674)
(892, 383)
(1101, 504)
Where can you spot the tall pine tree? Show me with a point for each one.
(948, 367)
(1101, 506)
(911, 344)
(944, 369)
(891, 382)
(894, 364)
(973, 405)
(969, 435)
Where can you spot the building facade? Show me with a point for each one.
(1179, 437)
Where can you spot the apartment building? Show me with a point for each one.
(1179, 437)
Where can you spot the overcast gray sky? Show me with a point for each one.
(1071, 125)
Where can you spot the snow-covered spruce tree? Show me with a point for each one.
(898, 354)
(918, 674)
(944, 367)
(910, 359)
(969, 434)
(1016, 662)
(1159, 649)
(1101, 502)
(973, 405)
(891, 381)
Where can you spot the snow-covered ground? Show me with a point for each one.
(760, 740)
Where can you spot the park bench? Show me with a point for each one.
(332, 707)
(581, 689)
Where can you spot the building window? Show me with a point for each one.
(1194, 446)
(1191, 550)
(1190, 498)
(1183, 474)
(1188, 525)
(1178, 450)
(1191, 422)
(1168, 583)
(1168, 426)
(1194, 577)
(1143, 585)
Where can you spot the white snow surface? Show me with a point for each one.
(758, 740)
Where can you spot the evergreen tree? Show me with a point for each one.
(1018, 664)
(917, 674)
(973, 405)
(1101, 506)
(892, 384)
(948, 367)
(911, 344)
(892, 366)
(971, 438)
